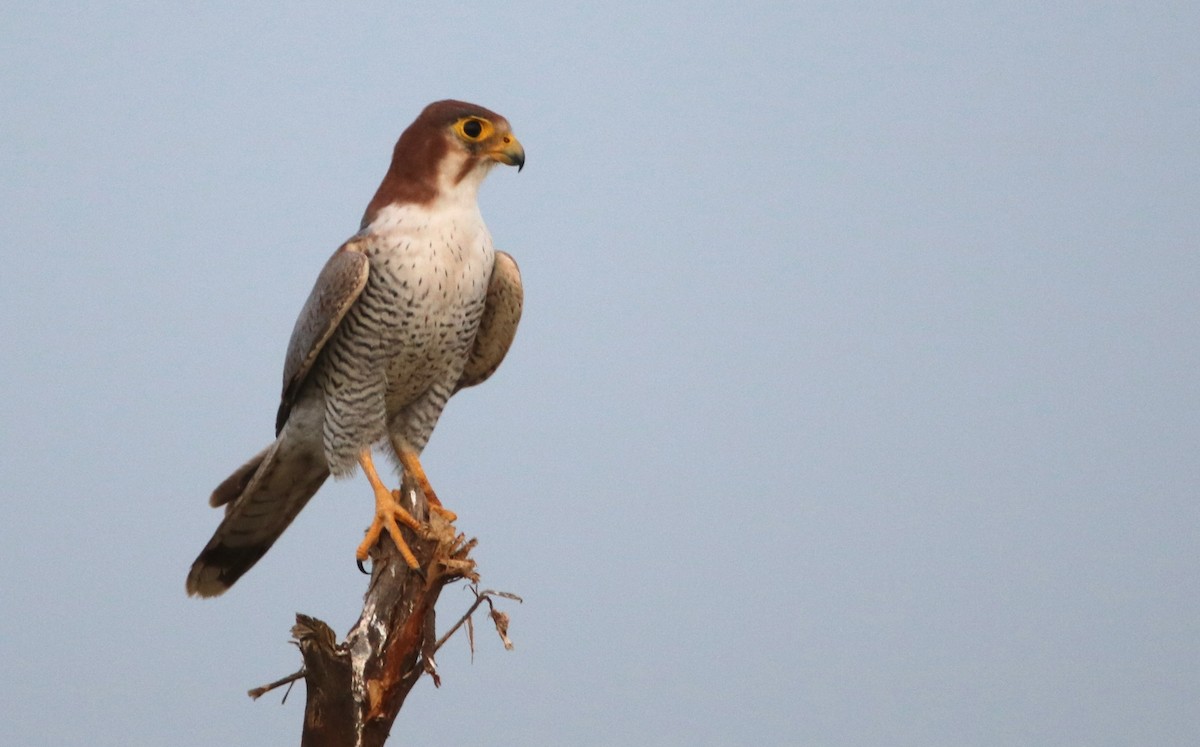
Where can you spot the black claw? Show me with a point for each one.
(418, 570)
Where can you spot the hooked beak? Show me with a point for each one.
(508, 151)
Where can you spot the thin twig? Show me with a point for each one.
(258, 692)
(480, 597)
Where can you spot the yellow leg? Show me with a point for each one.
(412, 467)
(387, 512)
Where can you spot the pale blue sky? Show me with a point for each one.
(855, 401)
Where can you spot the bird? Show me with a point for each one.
(411, 309)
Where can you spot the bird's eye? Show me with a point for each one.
(472, 128)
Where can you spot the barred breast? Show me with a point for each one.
(395, 359)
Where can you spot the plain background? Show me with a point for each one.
(855, 401)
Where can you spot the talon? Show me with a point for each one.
(361, 569)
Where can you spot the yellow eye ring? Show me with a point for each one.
(473, 129)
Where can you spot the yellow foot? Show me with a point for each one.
(412, 467)
(388, 512)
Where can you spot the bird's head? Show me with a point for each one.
(482, 136)
(445, 154)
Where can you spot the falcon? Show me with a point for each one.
(414, 307)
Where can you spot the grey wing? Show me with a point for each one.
(337, 287)
(498, 326)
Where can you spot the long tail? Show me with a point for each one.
(261, 499)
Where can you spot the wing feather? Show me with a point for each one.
(498, 327)
(338, 286)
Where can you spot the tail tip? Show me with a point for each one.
(205, 581)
